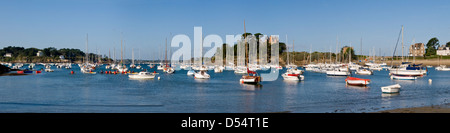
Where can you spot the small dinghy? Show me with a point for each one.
(357, 81)
(391, 88)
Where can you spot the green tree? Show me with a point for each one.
(432, 45)
(346, 53)
(448, 44)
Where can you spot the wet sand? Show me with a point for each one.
(444, 108)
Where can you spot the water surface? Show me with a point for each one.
(61, 92)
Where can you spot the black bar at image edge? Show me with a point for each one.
(221, 121)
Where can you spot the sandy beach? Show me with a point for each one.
(444, 108)
(431, 62)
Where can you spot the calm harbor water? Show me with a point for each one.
(62, 92)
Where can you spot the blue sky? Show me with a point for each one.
(146, 24)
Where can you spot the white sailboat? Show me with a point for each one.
(292, 72)
(86, 67)
(121, 68)
(218, 69)
(442, 68)
(132, 65)
(143, 75)
(364, 72)
(201, 75)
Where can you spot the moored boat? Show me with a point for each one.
(357, 81)
(338, 73)
(190, 72)
(294, 77)
(442, 68)
(391, 88)
(143, 75)
(403, 77)
(250, 79)
(201, 75)
(364, 72)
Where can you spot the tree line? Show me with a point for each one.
(50, 54)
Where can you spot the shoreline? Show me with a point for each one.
(442, 108)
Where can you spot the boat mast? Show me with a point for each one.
(245, 44)
(121, 47)
(132, 56)
(287, 53)
(87, 49)
(310, 54)
(414, 56)
(293, 53)
(350, 55)
(361, 49)
(330, 54)
(402, 44)
(165, 57)
(336, 49)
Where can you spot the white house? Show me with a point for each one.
(40, 53)
(444, 51)
(8, 55)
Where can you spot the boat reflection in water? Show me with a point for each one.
(251, 87)
(389, 94)
(362, 88)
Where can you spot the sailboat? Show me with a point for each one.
(139, 65)
(406, 70)
(362, 71)
(86, 67)
(442, 67)
(249, 79)
(143, 75)
(292, 72)
(132, 65)
(121, 68)
(202, 74)
(167, 68)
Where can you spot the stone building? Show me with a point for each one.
(417, 49)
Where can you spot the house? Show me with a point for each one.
(8, 55)
(444, 51)
(61, 57)
(40, 53)
(417, 49)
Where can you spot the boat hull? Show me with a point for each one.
(363, 72)
(189, 73)
(292, 77)
(337, 73)
(141, 76)
(250, 80)
(401, 77)
(357, 81)
(201, 76)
